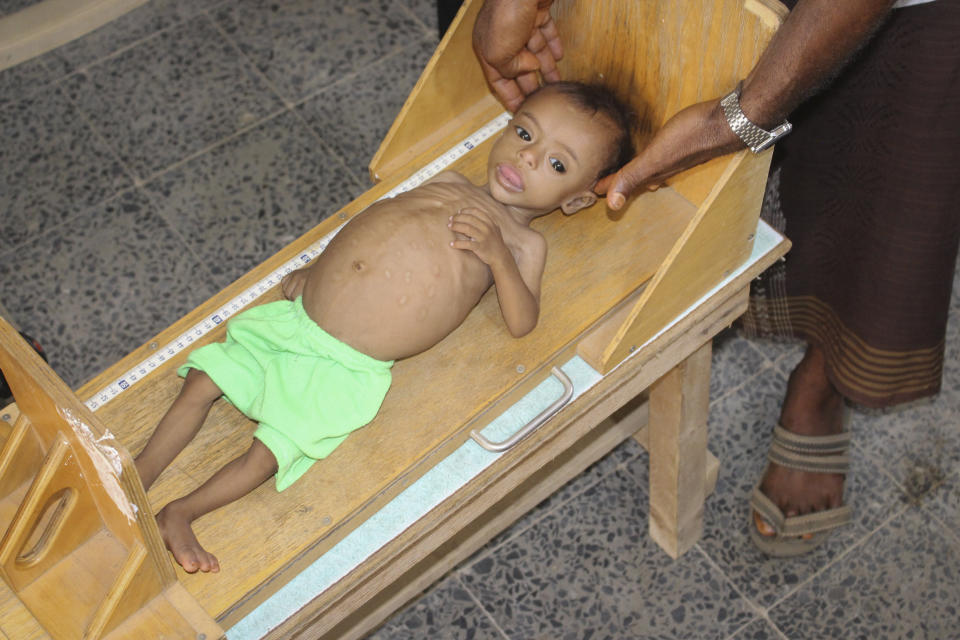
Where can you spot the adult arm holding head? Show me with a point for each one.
(514, 39)
(815, 41)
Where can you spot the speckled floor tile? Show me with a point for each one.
(242, 202)
(445, 612)
(944, 502)
(8, 7)
(353, 117)
(24, 80)
(172, 95)
(904, 582)
(758, 630)
(426, 13)
(98, 287)
(918, 444)
(740, 428)
(590, 570)
(735, 359)
(52, 166)
(133, 26)
(302, 45)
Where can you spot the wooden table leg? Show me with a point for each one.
(679, 403)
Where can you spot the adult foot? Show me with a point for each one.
(812, 407)
(183, 544)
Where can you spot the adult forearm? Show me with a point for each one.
(813, 45)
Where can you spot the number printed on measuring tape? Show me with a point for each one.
(182, 342)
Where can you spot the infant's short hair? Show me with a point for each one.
(597, 98)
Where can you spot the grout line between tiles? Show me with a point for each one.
(840, 557)
(489, 616)
(944, 526)
(289, 106)
(427, 30)
(757, 608)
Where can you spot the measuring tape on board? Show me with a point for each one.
(237, 304)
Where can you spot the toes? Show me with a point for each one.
(763, 526)
(188, 560)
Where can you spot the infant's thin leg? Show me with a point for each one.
(178, 426)
(234, 480)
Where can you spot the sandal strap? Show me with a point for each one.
(807, 462)
(795, 526)
(835, 443)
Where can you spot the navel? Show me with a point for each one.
(358, 265)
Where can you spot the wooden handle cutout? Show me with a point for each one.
(49, 523)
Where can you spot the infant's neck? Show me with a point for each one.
(521, 215)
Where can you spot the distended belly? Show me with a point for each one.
(390, 285)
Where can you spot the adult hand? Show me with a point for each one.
(513, 39)
(691, 137)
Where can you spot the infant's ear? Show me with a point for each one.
(582, 200)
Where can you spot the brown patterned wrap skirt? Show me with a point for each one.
(868, 189)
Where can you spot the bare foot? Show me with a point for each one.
(812, 407)
(182, 543)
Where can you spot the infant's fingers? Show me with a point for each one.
(466, 228)
(467, 244)
(472, 216)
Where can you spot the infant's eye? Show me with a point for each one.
(557, 165)
(522, 133)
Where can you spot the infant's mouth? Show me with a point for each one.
(509, 178)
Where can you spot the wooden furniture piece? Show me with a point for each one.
(47, 24)
(613, 289)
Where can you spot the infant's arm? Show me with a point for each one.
(518, 284)
(516, 266)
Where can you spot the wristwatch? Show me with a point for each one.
(753, 136)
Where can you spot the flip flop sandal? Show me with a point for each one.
(815, 454)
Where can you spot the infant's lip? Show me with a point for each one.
(509, 177)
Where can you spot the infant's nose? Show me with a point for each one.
(527, 157)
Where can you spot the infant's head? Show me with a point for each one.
(563, 138)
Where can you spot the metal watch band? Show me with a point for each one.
(753, 136)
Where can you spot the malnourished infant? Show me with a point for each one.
(393, 282)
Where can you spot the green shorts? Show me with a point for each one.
(307, 389)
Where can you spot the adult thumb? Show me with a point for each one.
(621, 185)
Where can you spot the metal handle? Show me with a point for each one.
(534, 424)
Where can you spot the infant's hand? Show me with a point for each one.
(292, 284)
(482, 236)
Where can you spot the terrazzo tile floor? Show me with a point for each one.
(145, 166)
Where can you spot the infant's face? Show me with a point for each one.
(549, 152)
